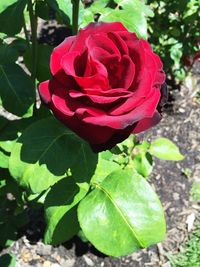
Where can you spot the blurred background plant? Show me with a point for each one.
(174, 32)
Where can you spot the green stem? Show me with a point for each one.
(75, 14)
(33, 21)
(26, 32)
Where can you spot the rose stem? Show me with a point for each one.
(75, 14)
(26, 32)
(33, 21)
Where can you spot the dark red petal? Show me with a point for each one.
(91, 133)
(45, 92)
(147, 123)
(98, 80)
(120, 73)
(117, 137)
(145, 110)
(119, 42)
(94, 28)
(100, 99)
(102, 41)
(60, 103)
(58, 52)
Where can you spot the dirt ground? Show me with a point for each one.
(182, 125)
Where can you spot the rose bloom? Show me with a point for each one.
(106, 84)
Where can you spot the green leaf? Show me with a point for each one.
(5, 3)
(45, 151)
(104, 167)
(11, 18)
(63, 9)
(131, 13)
(61, 210)
(125, 207)
(143, 164)
(42, 10)
(7, 233)
(8, 260)
(8, 54)
(42, 67)
(17, 92)
(163, 148)
(10, 131)
(4, 159)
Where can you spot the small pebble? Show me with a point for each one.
(88, 260)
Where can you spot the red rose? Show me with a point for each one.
(106, 84)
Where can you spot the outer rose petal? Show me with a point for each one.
(93, 134)
(93, 28)
(58, 52)
(147, 123)
(146, 110)
(45, 92)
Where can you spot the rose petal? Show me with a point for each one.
(91, 133)
(98, 80)
(58, 52)
(145, 110)
(100, 99)
(45, 92)
(119, 42)
(120, 72)
(102, 41)
(147, 123)
(94, 28)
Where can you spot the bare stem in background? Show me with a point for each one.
(75, 15)
(26, 32)
(33, 21)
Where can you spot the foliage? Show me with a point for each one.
(127, 11)
(174, 34)
(7, 260)
(44, 163)
(195, 191)
(191, 253)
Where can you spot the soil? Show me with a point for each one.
(180, 124)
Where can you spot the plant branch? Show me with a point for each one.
(33, 21)
(26, 32)
(75, 15)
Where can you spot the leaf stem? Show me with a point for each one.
(33, 21)
(75, 15)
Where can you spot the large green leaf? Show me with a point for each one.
(8, 54)
(11, 16)
(42, 67)
(45, 151)
(10, 131)
(143, 164)
(104, 168)
(61, 210)
(165, 149)
(122, 214)
(63, 9)
(8, 260)
(5, 3)
(131, 13)
(17, 92)
(4, 159)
